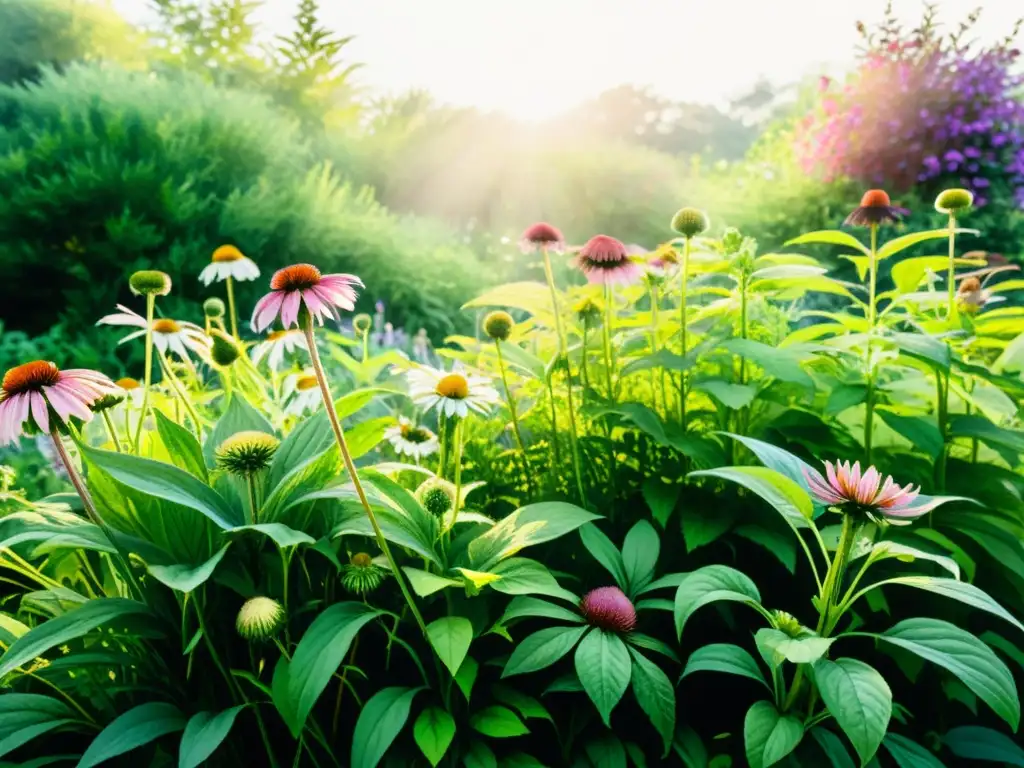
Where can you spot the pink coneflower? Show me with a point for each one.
(605, 260)
(846, 487)
(542, 235)
(300, 284)
(875, 208)
(32, 391)
(608, 608)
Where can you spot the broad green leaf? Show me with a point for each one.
(899, 244)
(69, 626)
(979, 427)
(961, 653)
(640, 551)
(908, 274)
(182, 447)
(298, 683)
(366, 435)
(527, 607)
(710, 584)
(239, 416)
(498, 723)
(703, 525)
(731, 395)
(542, 649)
(921, 431)
(523, 576)
(186, 578)
(777, 645)
(310, 437)
(425, 583)
(909, 754)
(135, 728)
(768, 736)
(527, 706)
(787, 497)
(894, 549)
(26, 716)
(167, 482)
(523, 361)
(605, 552)
(466, 676)
(203, 734)
(833, 748)
(279, 533)
(974, 742)
(380, 721)
(531, 297)
(605, 751)
(662, 359)
(451, 637)
(783, 364)
(656, 696)
(777, 543)
(927, 349)
(661, 498)
(603, 667)
(859, 699)
(689, 748)
(958, 590)
(724, 657)
(477, 579)
(779, 459)
(699, 448)
(479, 755)
(829, 237)
(433, 731)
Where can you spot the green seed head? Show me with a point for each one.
(260, 618)
(588, 312)
(362, 323)
(213, 308)
(498, 325)
(787, 623)
(150, 282)
(690, 222)
(246, 453)
(954, 201)
(362, 575)
(224, 350)
(106, 402)
(437, 496)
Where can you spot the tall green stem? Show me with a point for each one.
(179, 390)
(350, 467)
(609, 363)
(869, 415)
(458, 474)
(684, 278)
(951, 276)
(655, 323)
(942, 402)
(110, 430)
(231, 308)
(515, 419)
(148, 378)
(250, 482)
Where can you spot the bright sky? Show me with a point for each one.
(535, 58)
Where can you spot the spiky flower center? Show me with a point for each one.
(30, 376)
(246, 453)
(150, 282)
(437, 496)
(166, 325)
(690, 222)
(498, 325)
(453, 386)
(875, 198)
(128, 383)
(608, 608)
(415, 434)
(227, 253)
(259, 618)
(297, 277)
(305, 383)
(361, 560)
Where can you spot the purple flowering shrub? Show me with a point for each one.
(923, 108)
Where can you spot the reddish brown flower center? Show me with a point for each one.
(295, 278)
(970, 285)
(454, 385)
(875, 198)
(227, 253)
(165, 325)
(30, 376)
(304, 383)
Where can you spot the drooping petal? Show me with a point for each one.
(66, 405)
(290, 308)
(39, 412)
(266, 310)
(209, 273)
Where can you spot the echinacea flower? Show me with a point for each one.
(604, 260)
(260, 618)
(214, 309)
(276, 345)
(37, 395)
(246, 453)
(954, 201)
(362, 575)
(498, 325)
(608, 608)
(150, 282)
(542, 235)
(453, 393)
(412, 440)
(302, 285)
(229, 262)
(302, 392)
(853, 492)
(177, 336)
(223, 349)
(437, 496)
(690, 222)
(875, 208)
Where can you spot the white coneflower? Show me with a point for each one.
(276, 345)
(177, 336)
(301, 393)
(412, 440)
(229, 262)
(453, 393)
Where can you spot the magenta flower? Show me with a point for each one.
(300, 284)
(882, 502)
(605, 260)
(33, 392)
(542, 235)
(608, 608)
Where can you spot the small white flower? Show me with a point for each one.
(177, 336)
(409, 439)
(276, 345)
(453, 394)
(301, 393)
(228, 261)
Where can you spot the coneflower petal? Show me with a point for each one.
(290, 308)
(39, 411)
(266, 310)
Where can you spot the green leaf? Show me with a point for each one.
(425, 583)
(135, 728)
(298, 684)
(605, 552)
(961, 653)
(239, 416)
(710, 584)
(366, 435)
(606, 751)
(451, 637)
(786, 496)
(898, 244)
(919, 430)
(542, 649)
(379, 723)
(525, 607)
(310, 438)
(769, 736)
(523, 576)
(203, 734)
(525, 705)
(186, 578)
(433, 731)
(662, 359)
(833, 748)
(724, 657)
(166, 482)
(640, 551)
(603, 667)
(26, 716)
(777, 543)
(689, 748)
(656, 696)
(859, 699)
(783, 363)
(927, 349)
(69, 626)
(479, 755)
(279, 533)
(974, 742)
(979, 427)
(910, 754)
(731, 395)
(521, 360)
(183, 449)
(466, 676)
(908, 274)
(498, 723)
(958, 590)
(661, 498)
(777, 645)
(830, 237)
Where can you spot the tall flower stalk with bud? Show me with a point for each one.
(498, 327)
(688, 222)
(148, 283)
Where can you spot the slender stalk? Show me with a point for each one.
(250, 482)
(684, 278)
(231, 307)
(350, 467)
(942, 400)
(556, 453)
(148, 378)
(869, 416)
(951, 276)
(225, 380)
(111, 431)
(655, 324)
(609, 361)
(366, 346)
(563, 351)
(515, 419)
(179, 390)
(458, 475)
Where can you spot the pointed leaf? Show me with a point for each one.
(605, 552)
(135, 728)
(498, 723)
(974, 742)
(542, 649)
(379, 723)
(640, 551)
(603, 667)
(724, 657)
(830, 237)
(656, 696)
(185, 578)
(451, 637)
(859, 699)
(203, 734)
(910, 754)
(710, 584)
(787, 497)
(433, 731)
(769, 736)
